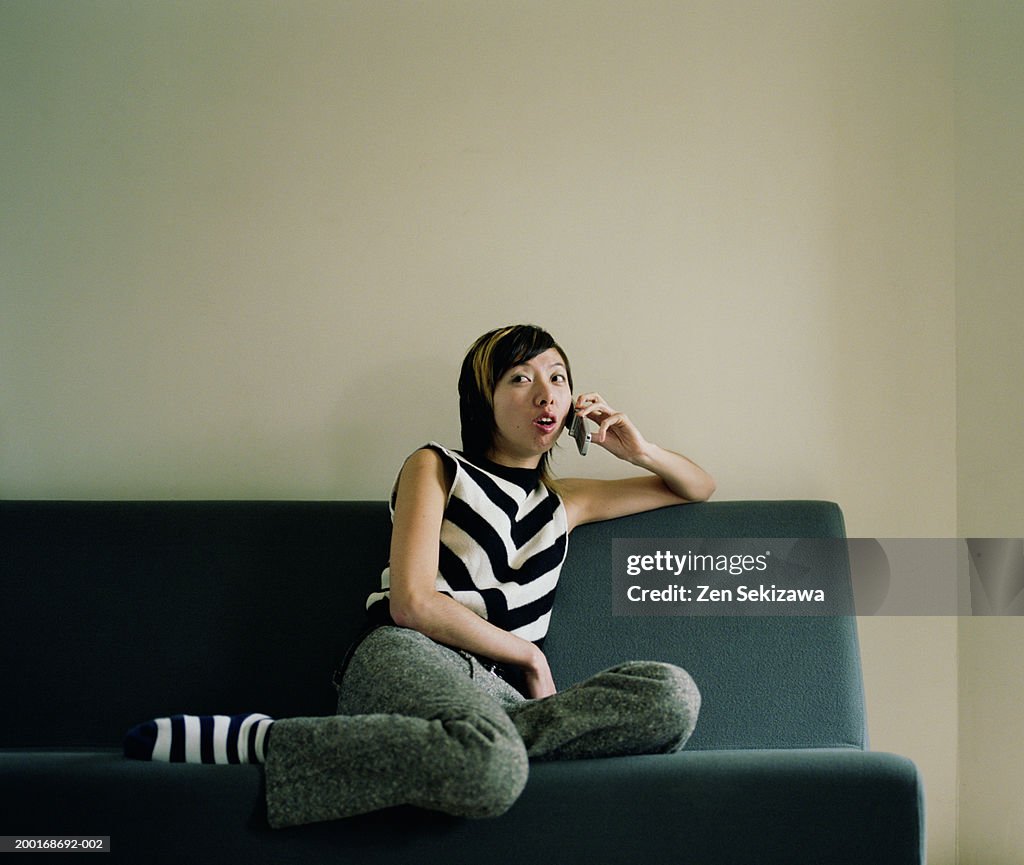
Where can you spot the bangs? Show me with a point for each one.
(503, 349)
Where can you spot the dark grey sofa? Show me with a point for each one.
(115, 612)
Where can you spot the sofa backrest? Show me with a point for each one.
(767, 682)
(114, 612)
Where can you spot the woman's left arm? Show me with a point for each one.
(673, 479)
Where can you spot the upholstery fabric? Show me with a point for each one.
(116, 612)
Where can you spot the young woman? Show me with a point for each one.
(447, 695)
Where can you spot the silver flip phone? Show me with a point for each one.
(578, 430)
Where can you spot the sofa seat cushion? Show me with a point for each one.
(789, 806)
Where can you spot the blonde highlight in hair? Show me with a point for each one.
(492, 355)
(482, 352)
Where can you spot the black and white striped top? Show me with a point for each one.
(503, 541)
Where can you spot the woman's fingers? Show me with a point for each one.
(589, 403)
(593, 406)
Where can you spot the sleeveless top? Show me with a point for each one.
(503, 541)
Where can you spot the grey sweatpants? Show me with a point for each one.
(421, 724)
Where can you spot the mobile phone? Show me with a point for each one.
(578, 430)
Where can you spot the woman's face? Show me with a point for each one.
(531, 401)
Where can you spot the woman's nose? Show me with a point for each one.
(546, 395)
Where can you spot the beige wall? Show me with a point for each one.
(990, 315)
(245, 245)
(241, 242)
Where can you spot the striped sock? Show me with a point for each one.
(200, 739)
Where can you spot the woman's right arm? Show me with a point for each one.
(415, 601)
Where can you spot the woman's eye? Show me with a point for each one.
(558, 377)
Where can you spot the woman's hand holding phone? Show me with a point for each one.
(615, 432)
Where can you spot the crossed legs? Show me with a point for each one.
(425, 725)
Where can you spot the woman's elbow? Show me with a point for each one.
(401, 612)
(409, 611)
(703, 491)
(709, 489)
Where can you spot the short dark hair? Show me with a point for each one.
(490, 357)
